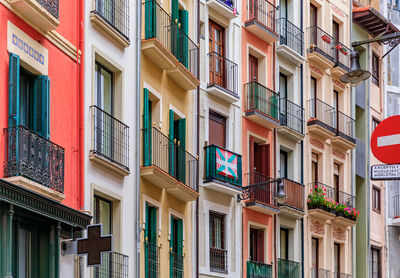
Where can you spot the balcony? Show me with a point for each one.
(168, 165)
(258, 270)
(322, 118)
(152, 260)
(291, 41)
(288, 269)
(293, 205)
(341, 275)
(360, 158)
(115, 265)
(341, 54)
(43, 13)
(291, 119)
(320, 50)
(261, 20)
(396, 210)
(223, 78)
(226, 8)
(110, 142)
(176, 264)
(34, 162)
(112, 19)
(320, 273)
(168, 46)
(261, 105)
(260, 193)
(345, 132)
(218, 260)
(223, 170)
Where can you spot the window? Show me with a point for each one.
(313, 103)
(176, 247)
(284, 164)
(336, 251)
(375, 123)
(259, 160)
(217, 129)
(177, 137)
(283, 9)
(336, 38)
(216, 56)
(218, 255)
(256, 245)
(314, 167)
(313, 22)
(376, 199)
(284, 244)
(375, 69)
(336, 107)
(103, 214)
(152, 252)
(336, 180)
(315, 253)
(253, 68)
(375, 263)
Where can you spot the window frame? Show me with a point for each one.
(375, 123)
(96, 208)
(376, 202)
(375, 68)
(98, 92)
(213, 215)
(379, 255)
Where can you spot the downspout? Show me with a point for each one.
(302, 145)
(81, 101)
(274, 86)
(198, 142)
(137, 132)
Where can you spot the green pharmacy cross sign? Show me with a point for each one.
(94, 245)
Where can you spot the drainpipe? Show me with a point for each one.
(137, 132)
(198, 141)
(302, 147)
(81, 101)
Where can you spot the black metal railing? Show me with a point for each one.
(218, 260)
(110, 137)
(152, 257)
(220, 165)
(166, 154)
(322, 114)
(223, 73)
(258, 270)
(52, 6)
(288, 269)
(328, 190)
(115, 13)
(115, 265)
(291, 35)
(396, 206)
(321, 42)
(177, 261)
(291, 115)
(341, 275)
(34, 157)
(320, 273)
(231, 4)
(261, 99)
(294, 193)
(346, 127)
(346, 198)
(159, 24)
(341, 54)
(335, 195)
(260, 189)
(263, 12)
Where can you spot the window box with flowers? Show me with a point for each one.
(326, 38)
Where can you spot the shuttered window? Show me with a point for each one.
(256, 245)
(217, 129)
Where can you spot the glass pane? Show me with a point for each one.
(337, 257)
(314, 251)
(105, 216)
(106, 84)
(284, 246)
(282, 86)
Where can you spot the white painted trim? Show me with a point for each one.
(177, 111)
(182, 4)
(263, 227)
(157, 95)
(177, 215)
(228, 122)
(155, 204)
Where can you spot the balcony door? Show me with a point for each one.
(217, 129)
(253, 68)
(313, 23)
(217, 52)
(151, 249)
(336, 180)
(336, 266)
(283, 96)
(313, 95)
(315, 256)
(217, 234)
(259, 160)
(283, 9)
(284, 248)
(176, 248)
(335, 35)
(177, 146)
(256, 245)
(335, 115)
(314, 167)
(283, 164)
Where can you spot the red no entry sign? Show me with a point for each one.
(385, 140)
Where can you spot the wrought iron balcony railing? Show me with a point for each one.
(264, 13)
(159, 25)
(258, 270)
(396, 206)
(34, 157)
(223, 165)
(288, 269)
(260, 98)
(231, 4)
(223, 73)
(341, 275)
(345, 127)
(177, 262)
(110, 137)
(152, 260)
(291, 35)
(291, 115)
(321, 42)
(169, 156)
(260, 189)
(115, 13)
(320, 273)
(341, 55)
(336, 195)
(52, 6)
(218, 260)
(322, 114)
(115, 265)
(294, 193)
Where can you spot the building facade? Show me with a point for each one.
(42, 144)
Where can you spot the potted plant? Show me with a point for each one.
(326, 38)
(351, 213)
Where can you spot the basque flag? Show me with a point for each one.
(226, 163)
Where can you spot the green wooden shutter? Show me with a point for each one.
(146, 129)
(274, 106)
(40, 112)
(146, 236)
(153, 225)
(175, 29)
(180, 237)
(13, 90)
(181, 151)
(184, 20)
(172, 148)
(171, 249)
(150, 19)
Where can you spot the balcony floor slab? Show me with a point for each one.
(318, 128)
(261, 207)
(183, 77)
(319, 60)
(156, 52)
(261, 31)
(343, 143)
(290, 133)
(108, 165)
(262, 119)
(290, 55)
(158, 177)
(321, 214)
(183, 192)
(222, 93)
(221, 8)
(338, 71)
(290, 212)
(223, 187)
(339, 220)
